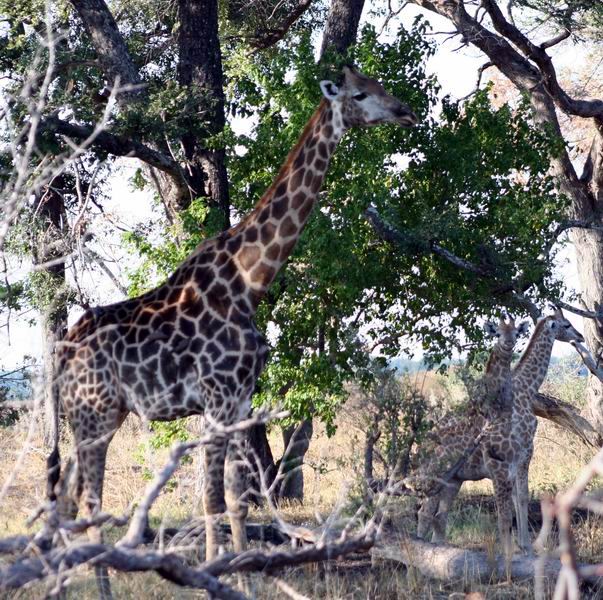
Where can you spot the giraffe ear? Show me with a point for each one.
(329, 89)
(523, 328)
(490, 329)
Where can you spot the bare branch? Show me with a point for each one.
(116, 145)
(587, 358)
(406, 243)
(269, 37)
(556, 40)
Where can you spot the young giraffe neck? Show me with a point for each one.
(251, 253)
(497, 373)
(499, 362)
(533, 365)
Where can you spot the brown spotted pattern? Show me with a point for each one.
(190, 346)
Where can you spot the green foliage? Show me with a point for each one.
(161, 257)
(168, 431)
(478, 185)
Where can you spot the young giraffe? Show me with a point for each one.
(509, 443)
(190, 346)
(454, 437)
(528, 375)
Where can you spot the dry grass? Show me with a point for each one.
(330, 473)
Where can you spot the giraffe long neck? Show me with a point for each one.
(533, 365)
(269, 233)
(237, 267)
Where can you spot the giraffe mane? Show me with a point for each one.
(266, 196)
(532, 342)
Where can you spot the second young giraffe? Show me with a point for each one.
(508, 445)
(190, 346)
(448, 442)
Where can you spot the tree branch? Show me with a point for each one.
(581, 108)
(269, 37)
(109, 44)
(116, 145)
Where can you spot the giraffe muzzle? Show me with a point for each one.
(406, 117)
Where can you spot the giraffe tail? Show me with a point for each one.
(53, 462)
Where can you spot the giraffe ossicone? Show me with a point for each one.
(190, 345)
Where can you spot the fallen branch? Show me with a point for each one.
(565, 415)
(446, 562)
(174, 567)
(169, 566)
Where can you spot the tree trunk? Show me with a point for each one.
(260, 450)
(200, 70)
(297, 441)
(342, 26)
(589, 255)
(54, 315)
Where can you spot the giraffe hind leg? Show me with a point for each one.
(235, 485)
(213, 494)
(91, 459)
(503, 493)
(521, 498)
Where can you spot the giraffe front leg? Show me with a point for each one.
(503, 494)
(91, 462)
(521, 497)
(446, 499)
(213, 495)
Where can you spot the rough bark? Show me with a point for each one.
(200, 70)
(531, 70)
(589, 256)
(109, 45)
(342, 26)
(296, 441)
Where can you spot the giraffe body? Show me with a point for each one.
(190, 346)
(506, 451)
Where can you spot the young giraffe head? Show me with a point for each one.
(561, 328)
(362, 101)
(506, 332)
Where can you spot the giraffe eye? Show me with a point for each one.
(359, 97)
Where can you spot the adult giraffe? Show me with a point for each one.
(190, 346)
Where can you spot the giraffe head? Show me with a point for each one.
(561, 328)
(506, 332)
(363, 101)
